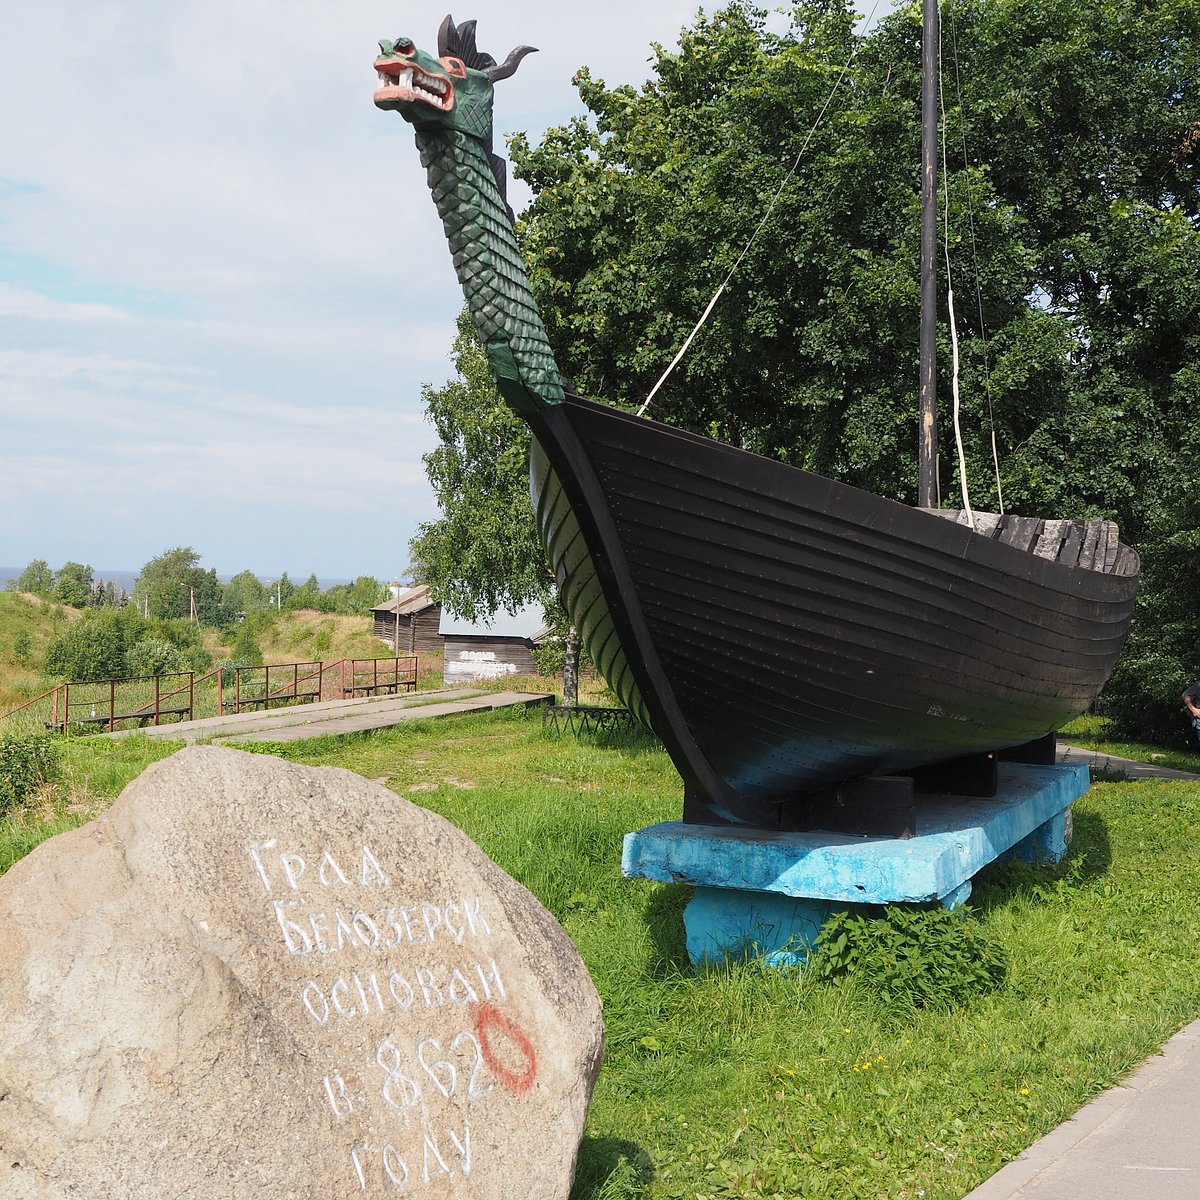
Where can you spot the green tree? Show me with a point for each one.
(90, 648)
(36, 578)
(309, 595)
(23, 647)
(1074, 210)
(173, 584)
(482, 553)
(245, 650)
(245, 593)
(163, 587)
(363, 594)
(73, 584)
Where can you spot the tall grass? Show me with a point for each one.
(744, 1082)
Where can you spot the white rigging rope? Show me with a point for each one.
(983, 338)
(837, 83)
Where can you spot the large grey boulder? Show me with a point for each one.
(262, 980)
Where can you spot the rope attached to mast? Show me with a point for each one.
(759, 227)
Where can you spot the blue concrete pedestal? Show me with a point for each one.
(765, 894)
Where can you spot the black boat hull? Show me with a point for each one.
(783, 633)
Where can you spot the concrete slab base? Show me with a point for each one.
(766, 894)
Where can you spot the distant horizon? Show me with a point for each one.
(125, 578)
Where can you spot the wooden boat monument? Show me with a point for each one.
(857, 652)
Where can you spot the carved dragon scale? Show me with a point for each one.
(448, 101)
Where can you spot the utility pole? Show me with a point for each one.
(927, 482)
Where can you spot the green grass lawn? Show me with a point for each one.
(744, 1082)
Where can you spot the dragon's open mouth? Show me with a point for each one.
(401, 80)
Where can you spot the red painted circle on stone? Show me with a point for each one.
(491, 1018)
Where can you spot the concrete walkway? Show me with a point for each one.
(1137, 1141)
(336, 716)
(1124, 766)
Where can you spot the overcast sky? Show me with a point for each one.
(222, 279)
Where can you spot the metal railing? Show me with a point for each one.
(374, 676)
(294, 683)
(105, 704)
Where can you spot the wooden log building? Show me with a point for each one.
(501, 645)
(410, 619)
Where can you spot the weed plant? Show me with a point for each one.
(910, 956)
(29, 761)
(741, 1081)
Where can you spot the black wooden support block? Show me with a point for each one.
(873, 806)
(1041, 752)
(970, 775)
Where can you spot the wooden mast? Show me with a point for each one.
(927, 484)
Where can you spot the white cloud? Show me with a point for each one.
(226, 282)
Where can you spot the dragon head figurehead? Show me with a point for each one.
(450, 93)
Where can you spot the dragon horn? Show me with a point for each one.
(510, 64)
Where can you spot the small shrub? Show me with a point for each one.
(931, 958)
(1143, 699)
(199, 659)
(154, 656)
(245, 649)
(28, 761)
(23, 647)
(228, 668)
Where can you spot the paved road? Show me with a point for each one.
(1126, 767)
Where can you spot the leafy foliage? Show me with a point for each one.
(73, 584)
(91, 648)
(245, 593)
(172, 584)
(483, 552)
(28, 761)
(37, 578)
(153, 656)
(926, 957)
(1074, 211)
(245, 651)
(355, 599)
(111, 643)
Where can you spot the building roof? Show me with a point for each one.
(527, 623)
(410, 600)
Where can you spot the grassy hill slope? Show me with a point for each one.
(28, 624)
